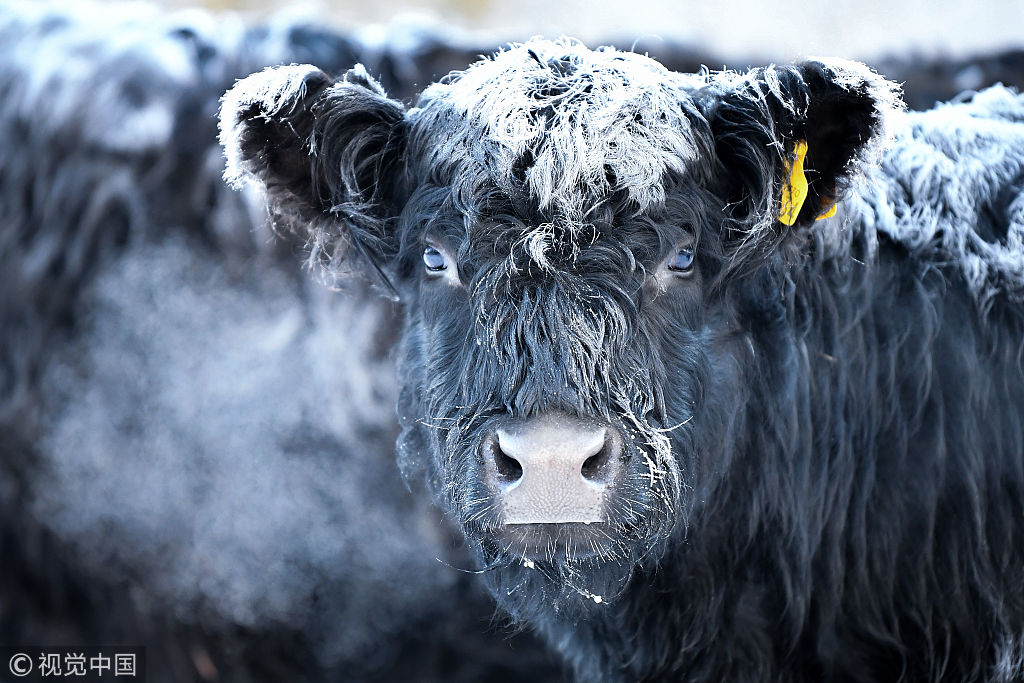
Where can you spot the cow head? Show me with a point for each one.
(590, 250)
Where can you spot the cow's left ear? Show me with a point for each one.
(329, 154)
(790, 140)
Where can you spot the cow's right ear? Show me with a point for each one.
(328, 153)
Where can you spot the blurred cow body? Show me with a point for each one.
(170, 478)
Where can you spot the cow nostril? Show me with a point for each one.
(596, 468)
(508, 469)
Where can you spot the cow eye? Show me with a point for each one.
(682, 261)
(438, 264)
(434, 260)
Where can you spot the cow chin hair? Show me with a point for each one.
(577, 589)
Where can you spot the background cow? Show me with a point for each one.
(196, 438)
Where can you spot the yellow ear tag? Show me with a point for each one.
(831, 212)
(794, 192)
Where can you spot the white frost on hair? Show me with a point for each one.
(110, 76)
(1009, 664)
(948, 168)
(273, 90)
(576, 113)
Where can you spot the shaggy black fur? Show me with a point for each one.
(826, 462)
(175, 472)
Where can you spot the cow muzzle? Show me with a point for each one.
(553, 469)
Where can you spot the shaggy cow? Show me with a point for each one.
(716, 389)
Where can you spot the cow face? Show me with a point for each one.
(588, 247)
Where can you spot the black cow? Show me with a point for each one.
(720, 374)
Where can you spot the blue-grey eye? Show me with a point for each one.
(682, 261)
(434, 260)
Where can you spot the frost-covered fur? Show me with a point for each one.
(824, 466)
(610, 120)
(959, 165)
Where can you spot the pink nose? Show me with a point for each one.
(553, 469)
